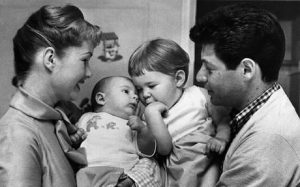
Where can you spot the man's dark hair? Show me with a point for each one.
(243, 31)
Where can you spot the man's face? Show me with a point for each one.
(223, 85)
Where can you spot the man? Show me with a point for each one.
(242, 49)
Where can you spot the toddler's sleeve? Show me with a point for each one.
(134, 136)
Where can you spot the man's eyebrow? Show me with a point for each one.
(203, 61)
(207, 63)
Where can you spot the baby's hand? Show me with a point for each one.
(135, 123)
(216, 145)
(78, 137)
(156, 107)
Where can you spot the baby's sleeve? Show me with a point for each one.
(82, 122)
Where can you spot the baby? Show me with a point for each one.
(117, 140)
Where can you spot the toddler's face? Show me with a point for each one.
(155, 86)
(121, 98)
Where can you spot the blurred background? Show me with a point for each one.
(128, 23)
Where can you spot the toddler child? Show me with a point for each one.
(117, 141)
(185, 124)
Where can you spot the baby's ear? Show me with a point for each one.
(100, 98)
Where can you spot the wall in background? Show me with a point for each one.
(134, 21)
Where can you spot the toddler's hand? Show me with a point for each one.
(78, 137)
(216, 145)
(135, 123)
(156, 107)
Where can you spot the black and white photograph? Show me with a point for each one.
(150, 93)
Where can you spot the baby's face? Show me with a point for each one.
(121, 98)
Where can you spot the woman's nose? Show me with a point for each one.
(201, 76)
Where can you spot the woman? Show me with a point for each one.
(52, 52)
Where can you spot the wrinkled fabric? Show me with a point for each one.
(188, 165)
(63, 129)
(146, 173)
(142, 173)
(109, 142)
(30, 154)
(112, 143)
(266, 151)
(98, 176)
(190, 126)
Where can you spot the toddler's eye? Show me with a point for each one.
(151, 86)
(126, 91)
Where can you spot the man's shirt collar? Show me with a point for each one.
(241, 118)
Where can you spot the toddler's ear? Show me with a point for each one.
(180, 78)
(100, 98)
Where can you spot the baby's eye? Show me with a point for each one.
(125, 91)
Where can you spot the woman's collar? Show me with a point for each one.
(31, 106)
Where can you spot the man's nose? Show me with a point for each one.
(201, 76)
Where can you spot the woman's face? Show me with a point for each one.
(71, 70)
